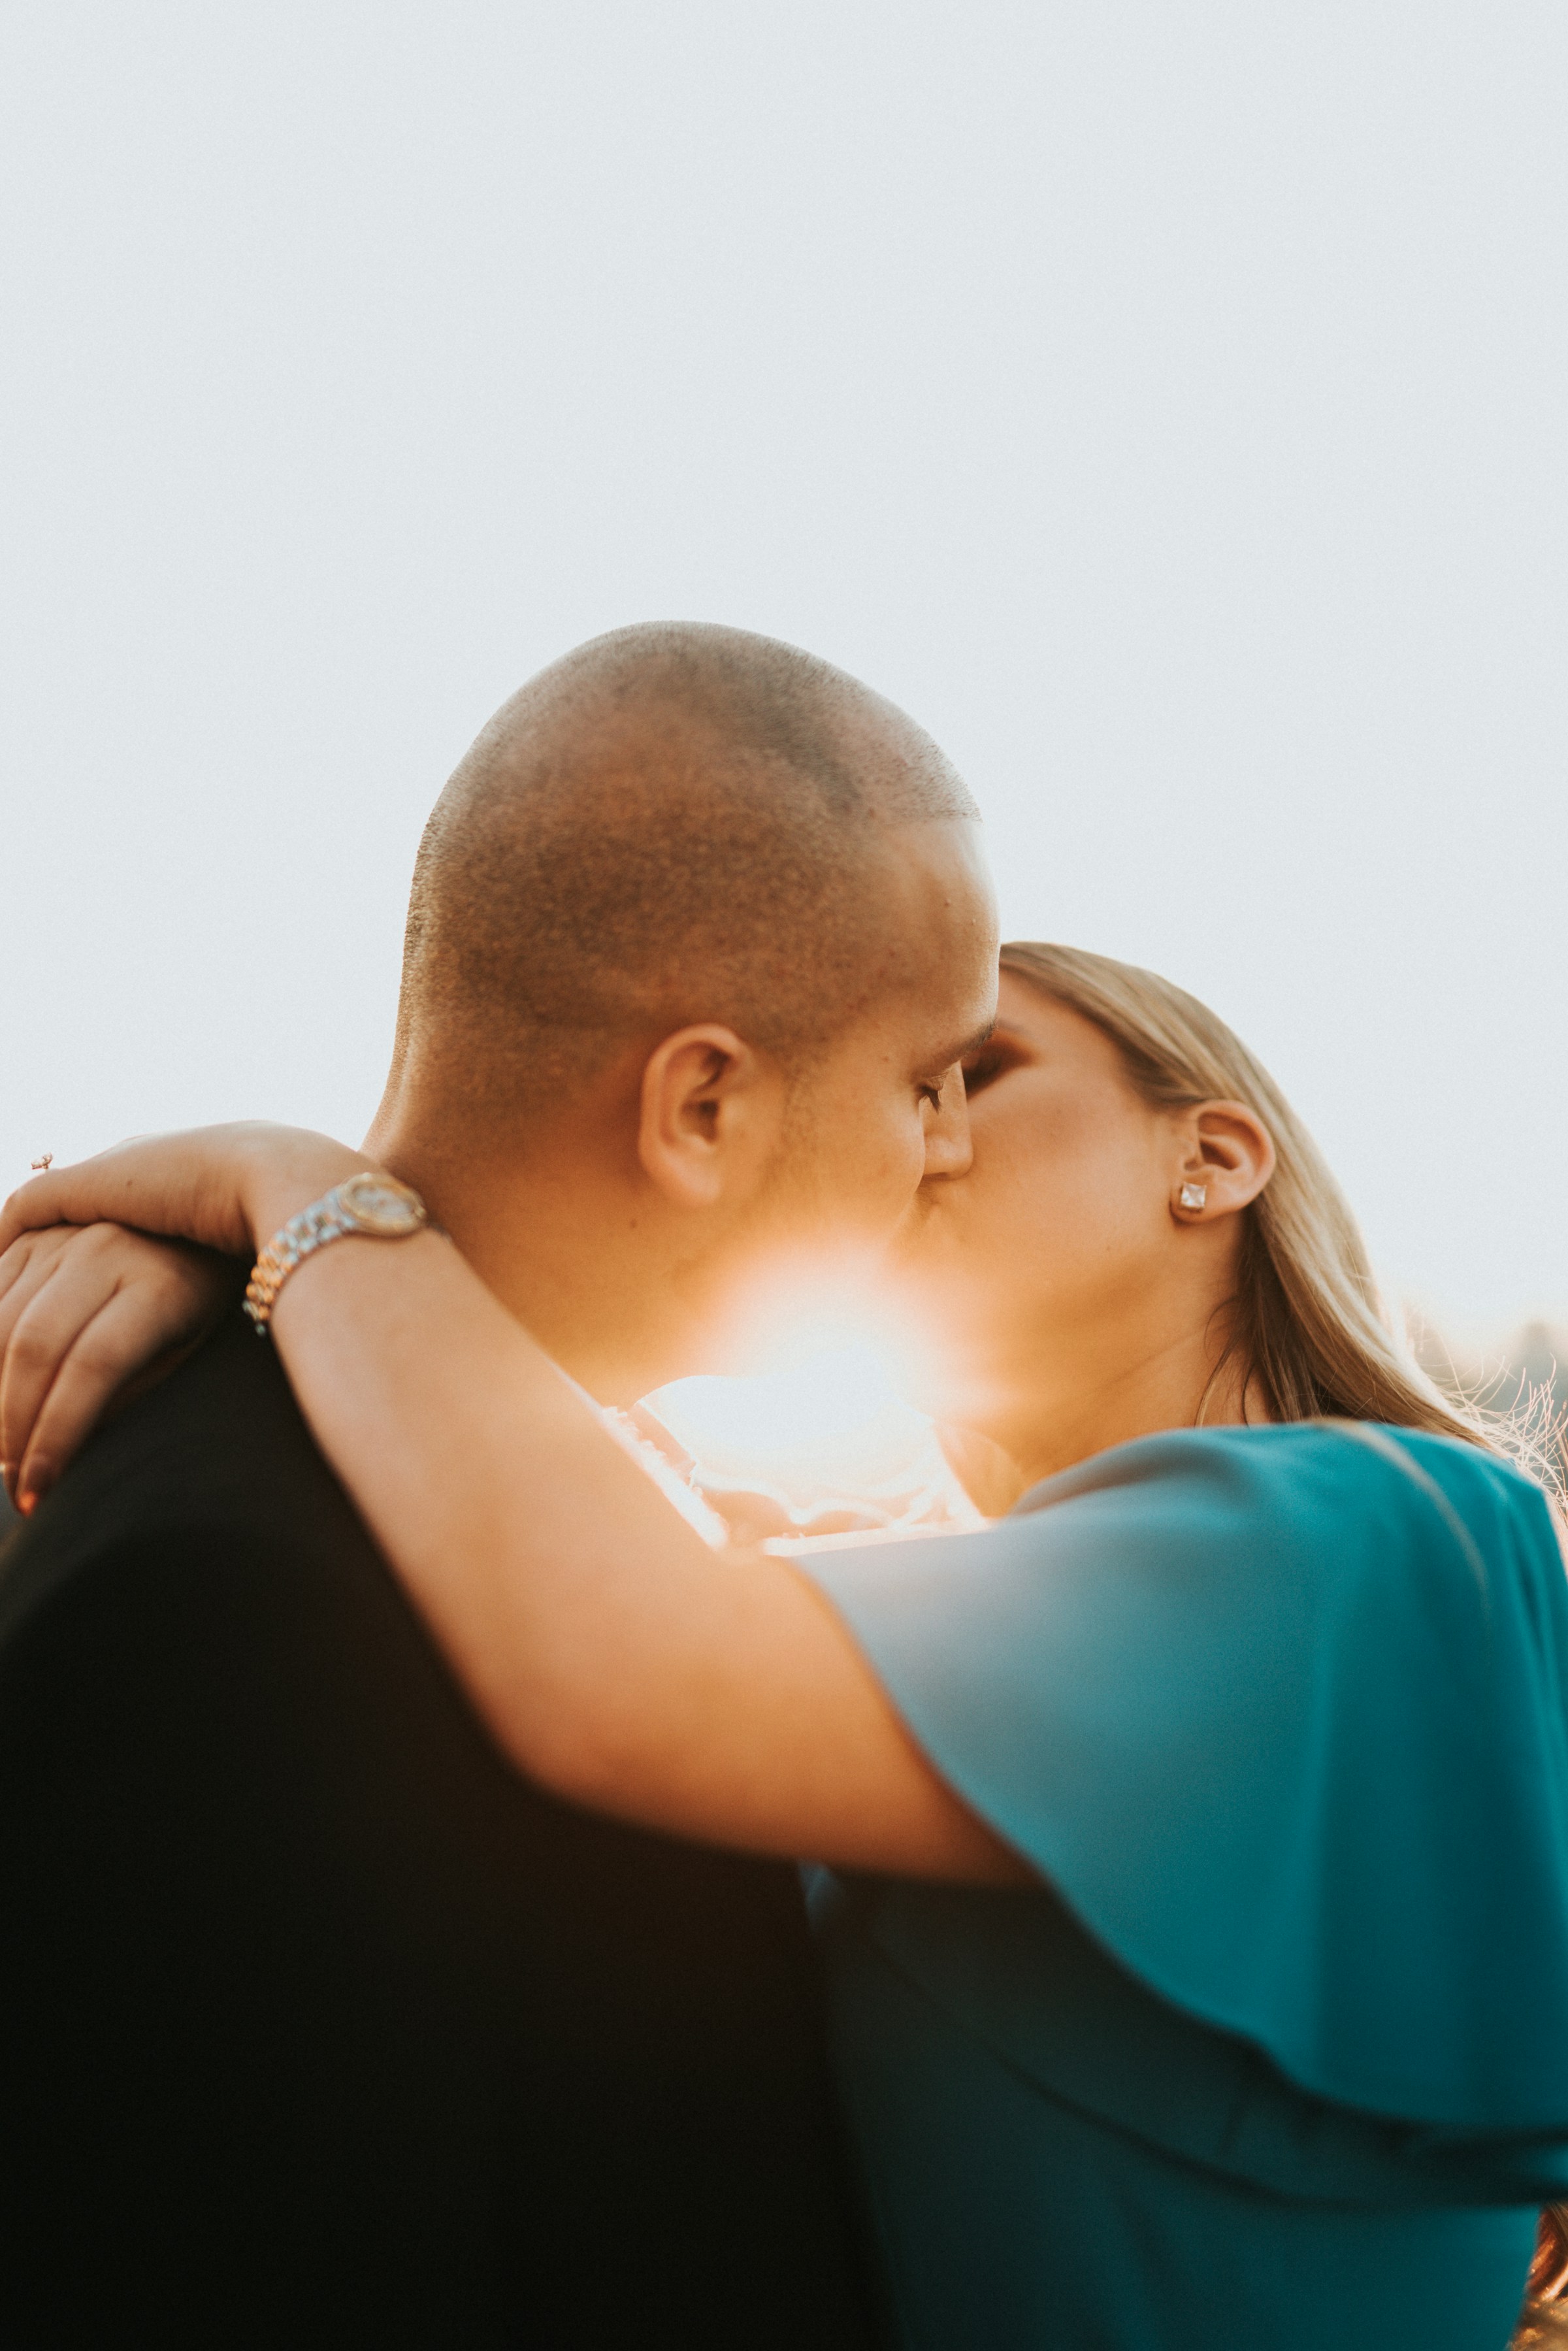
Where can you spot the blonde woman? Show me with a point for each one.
(1196, 1913)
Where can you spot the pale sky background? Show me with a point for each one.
(1168, 404)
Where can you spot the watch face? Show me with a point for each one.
(381, 1205)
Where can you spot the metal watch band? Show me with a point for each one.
(378, 1207)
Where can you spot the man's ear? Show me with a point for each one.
(1227, 1156)
(712, 1115)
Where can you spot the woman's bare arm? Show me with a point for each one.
(615, 1657)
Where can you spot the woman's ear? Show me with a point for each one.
(712, 1116)
(1227, 1156)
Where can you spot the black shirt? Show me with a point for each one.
(318, 2022)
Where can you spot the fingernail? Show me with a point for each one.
(27, 1503)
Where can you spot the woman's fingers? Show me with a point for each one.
(161, 1184)
(99, 1190)
(105, 1304)
(68, 1276)
(123, 1336)
(79, 1315)
(25, 1267)
(22, 1266)
(29, 1206)
(197, 1186)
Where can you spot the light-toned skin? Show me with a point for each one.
(1074, 1302)
(615, 1657)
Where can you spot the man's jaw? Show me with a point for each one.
(664, 1323)
(626, 1301)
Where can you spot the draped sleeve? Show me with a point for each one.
(1280, 1716)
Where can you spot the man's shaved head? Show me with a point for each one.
(673, 823)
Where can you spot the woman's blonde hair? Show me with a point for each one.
(1309, 1323)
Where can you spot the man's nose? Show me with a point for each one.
(948, 1148)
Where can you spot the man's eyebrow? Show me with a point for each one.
(951, 1053)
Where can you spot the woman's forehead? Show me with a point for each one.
(1035, 1016)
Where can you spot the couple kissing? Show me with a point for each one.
(401, 1805)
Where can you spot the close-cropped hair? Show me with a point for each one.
(675, 824)
(1307, 1321)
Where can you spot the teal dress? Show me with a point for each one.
(1275, 2058)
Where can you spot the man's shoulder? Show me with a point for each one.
(221, 1438)
(220, 1446)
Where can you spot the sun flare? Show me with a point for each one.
(817, 1441)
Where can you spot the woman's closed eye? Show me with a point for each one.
(987, 1064)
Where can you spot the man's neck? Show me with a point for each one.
(564, 1250)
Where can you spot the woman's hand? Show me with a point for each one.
(84, 1309)
(80, 1315)
(227, 1187)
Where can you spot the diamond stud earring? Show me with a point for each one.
(1193, 1195)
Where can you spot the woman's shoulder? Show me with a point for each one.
(1279, 1712)
(1313, 1475)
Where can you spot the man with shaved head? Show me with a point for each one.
(668, 820)
(324, 2027)
(688, 883)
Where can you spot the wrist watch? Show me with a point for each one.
(374, 1205)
